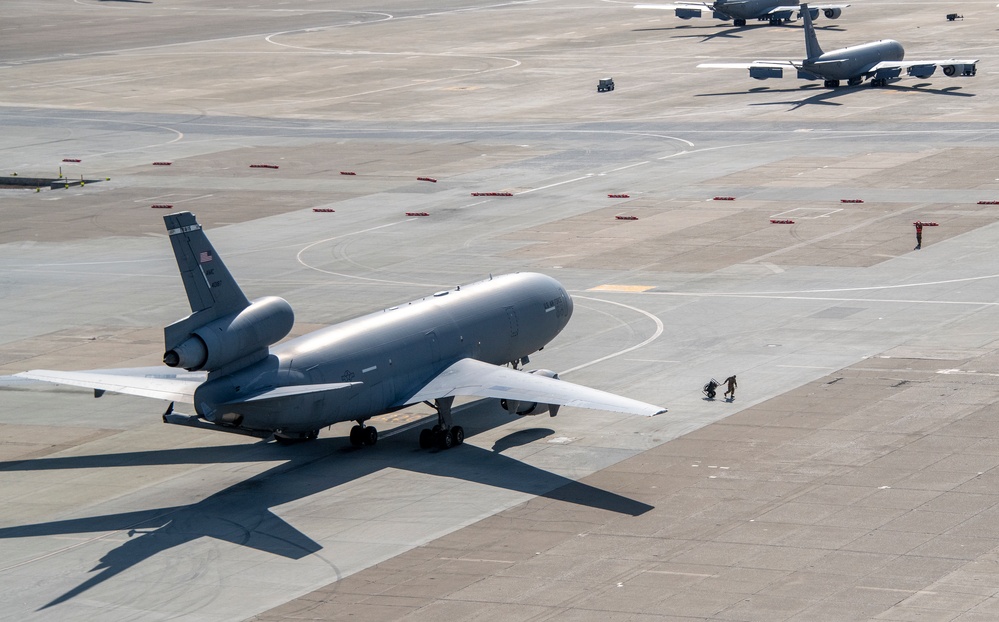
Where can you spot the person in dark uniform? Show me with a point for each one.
(732, 384)
(919, 235)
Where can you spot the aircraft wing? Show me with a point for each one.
(777, 64)
(474, 378)
(760, 69)
(818, 7)
(161, 383)
(960, 64)
(703, 7)
(676, 5)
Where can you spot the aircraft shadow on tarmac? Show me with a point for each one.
(824, 96)
(730, 32)
(241, 514)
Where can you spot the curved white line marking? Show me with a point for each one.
(655, 335)
(877, 287)
(298, 257)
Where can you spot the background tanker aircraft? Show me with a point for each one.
(452, 343)
(739, 11)
(879, 60)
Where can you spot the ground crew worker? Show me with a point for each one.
(732, 384)
(919, 235)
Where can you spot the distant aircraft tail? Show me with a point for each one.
(224, 330)
(812, 48)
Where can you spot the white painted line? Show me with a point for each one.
(561, 183)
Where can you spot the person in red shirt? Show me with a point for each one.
(919, 235)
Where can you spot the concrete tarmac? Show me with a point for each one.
(851, 478)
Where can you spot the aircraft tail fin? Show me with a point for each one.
(225, 330)
(210, 288)
(812, 49)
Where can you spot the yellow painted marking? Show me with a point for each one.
(621, 288)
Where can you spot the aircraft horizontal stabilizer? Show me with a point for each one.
(161, 383)
(470, 377)
(299, 389)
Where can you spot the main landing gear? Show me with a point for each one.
(361, 435)
(443, 435)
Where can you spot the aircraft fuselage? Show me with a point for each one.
(751, 9)
(391, 353)
(854, 61)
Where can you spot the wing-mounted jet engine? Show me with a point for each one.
(522, 409)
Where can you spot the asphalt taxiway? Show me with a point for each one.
(851, 478)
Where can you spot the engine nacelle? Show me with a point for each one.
(522, 409)
(762, 73)
(832, 13)
(687, 13)
(216, 344)
(960, 69)
(922, 71)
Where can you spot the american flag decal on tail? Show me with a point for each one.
(205, 257)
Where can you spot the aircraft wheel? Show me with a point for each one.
(426, 438)
(457, 435)
(739, 22)
(313, 435)
(832, 84)
(370, 435)
(357, 436)
(445, 440)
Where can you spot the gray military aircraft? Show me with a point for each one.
(879, 60)
(739, 11)
(452, 343)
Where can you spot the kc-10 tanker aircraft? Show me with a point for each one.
(452, 343)
(773, 11)
(879, 60)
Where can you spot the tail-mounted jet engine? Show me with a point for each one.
(228, 339)
(522, 409)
